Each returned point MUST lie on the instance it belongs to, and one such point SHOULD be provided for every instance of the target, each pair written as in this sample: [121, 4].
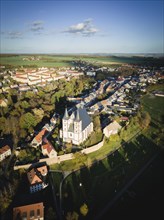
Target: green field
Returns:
[154, 105]
[59, 60]
[44, 61]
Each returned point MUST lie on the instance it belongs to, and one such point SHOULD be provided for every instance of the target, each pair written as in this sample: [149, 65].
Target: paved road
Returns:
[119, 194]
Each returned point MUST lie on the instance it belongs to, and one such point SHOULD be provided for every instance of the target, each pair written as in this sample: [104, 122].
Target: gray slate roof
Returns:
[83, 116]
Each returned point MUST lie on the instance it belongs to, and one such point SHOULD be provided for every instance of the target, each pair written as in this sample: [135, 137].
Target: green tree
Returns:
[96, 123]
[29, 94]
[39, 114]
[27, 121]
[51, 215]
[25, 104]
[84, 209]
[2, 123]
[144, 119]
[72, 216]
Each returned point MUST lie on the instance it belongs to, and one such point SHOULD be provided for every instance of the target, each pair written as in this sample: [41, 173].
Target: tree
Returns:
[27, 121]
[96, 123]
[29, 94]
[51, 215]
[72, 216]
[39, 114]
[84, 209]
[144, 119]
[2, 123]
[25, 104]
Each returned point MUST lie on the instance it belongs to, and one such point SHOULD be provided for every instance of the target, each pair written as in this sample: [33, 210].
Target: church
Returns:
[77, 127]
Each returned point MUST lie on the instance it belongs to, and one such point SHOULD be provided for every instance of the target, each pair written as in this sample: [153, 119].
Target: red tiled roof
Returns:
[4, 149]
[39, 136]
[47, 146]
[124, 118]
[34, 175]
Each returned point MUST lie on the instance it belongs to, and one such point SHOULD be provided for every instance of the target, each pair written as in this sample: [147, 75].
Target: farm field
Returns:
[59, 60]
[155, 106]
[44, 61]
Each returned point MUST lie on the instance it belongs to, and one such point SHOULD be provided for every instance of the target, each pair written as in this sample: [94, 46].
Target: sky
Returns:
[44, 26]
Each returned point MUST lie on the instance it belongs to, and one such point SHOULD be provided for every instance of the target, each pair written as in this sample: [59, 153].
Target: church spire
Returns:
[77, 115]
[66, 116]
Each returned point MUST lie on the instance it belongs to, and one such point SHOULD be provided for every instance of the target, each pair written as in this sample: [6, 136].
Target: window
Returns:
[24, 215]
[31, 214]
[38, 212]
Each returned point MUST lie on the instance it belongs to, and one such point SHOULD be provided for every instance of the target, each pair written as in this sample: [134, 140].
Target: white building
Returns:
[112, 128]
[77, 127]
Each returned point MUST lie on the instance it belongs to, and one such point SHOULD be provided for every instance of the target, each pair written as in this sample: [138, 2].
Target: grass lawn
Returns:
[155, 106]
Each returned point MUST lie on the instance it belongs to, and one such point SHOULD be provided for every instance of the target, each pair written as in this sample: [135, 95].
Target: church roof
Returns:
[66, 116]
[82, 115]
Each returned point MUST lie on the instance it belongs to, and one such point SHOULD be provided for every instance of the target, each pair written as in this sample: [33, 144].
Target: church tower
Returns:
[77, 127]
[65, 124]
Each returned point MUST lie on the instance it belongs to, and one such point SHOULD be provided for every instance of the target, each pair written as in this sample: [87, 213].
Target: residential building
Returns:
[77, 127]
[37, 177]
[112, 128]
[4, 152]
[47, 149]
[28, 212]
[39, 137]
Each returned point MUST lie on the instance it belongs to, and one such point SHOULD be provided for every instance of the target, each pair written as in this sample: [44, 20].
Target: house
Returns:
[112, 128]
[47, 149]
[37, 177]
[124, 119]
[77, 127]
[39, 137]
[89, 73]
[28, 212]
[4, 152]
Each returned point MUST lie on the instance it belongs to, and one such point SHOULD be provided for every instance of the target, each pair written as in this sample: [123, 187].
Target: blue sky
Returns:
[82, 26]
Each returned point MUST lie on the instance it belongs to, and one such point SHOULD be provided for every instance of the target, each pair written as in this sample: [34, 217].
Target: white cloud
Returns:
[85, 28]
[15, 34]
[37, 26]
